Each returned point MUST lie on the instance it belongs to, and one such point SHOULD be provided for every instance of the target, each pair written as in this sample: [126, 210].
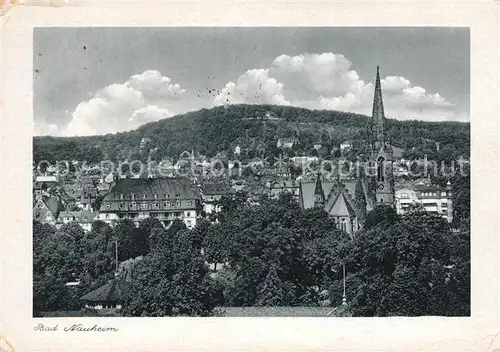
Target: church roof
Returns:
[339, 196]
[341, 205]
[307, 192]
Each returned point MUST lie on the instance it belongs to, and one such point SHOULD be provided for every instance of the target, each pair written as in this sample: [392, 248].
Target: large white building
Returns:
[432, 198]
[165, 199]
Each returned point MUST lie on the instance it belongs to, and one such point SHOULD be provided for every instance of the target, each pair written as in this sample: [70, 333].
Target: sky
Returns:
[89, 81]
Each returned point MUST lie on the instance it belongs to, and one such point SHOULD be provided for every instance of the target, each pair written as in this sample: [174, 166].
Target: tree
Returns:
[57, 260]
[360, 199]
[131, 243]
[400, 266]
[173, 279]
[214, 245]
[142, 237]
[272, 292]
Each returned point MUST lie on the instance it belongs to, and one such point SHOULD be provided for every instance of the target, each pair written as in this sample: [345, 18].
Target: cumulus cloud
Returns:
[46, 129]
[123, 106]
[254, 86]
[327, 81]
[154, 86]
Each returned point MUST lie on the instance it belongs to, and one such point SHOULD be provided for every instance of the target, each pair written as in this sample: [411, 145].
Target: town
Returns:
[199, 193]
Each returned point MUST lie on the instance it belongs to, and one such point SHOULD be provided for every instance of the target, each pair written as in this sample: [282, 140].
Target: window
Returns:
[343, 225]
[132, 196]
[155, 205]
[380, 169]
[122, 205]
[121, 196]
[133, 205]
[144, 205]
[108, 205]
[188, 203]
[107, 216]
[178, 203]
[144, 196]
[155, 196]
[167, 195]
[443, 194]
[166, 204]
[177, 195]
[188, 214]
[188, 223]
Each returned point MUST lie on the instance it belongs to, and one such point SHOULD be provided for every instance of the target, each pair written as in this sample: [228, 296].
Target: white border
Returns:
[276, 334]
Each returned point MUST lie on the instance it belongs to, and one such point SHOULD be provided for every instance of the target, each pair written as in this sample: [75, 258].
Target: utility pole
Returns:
[344, 299]
[116, 257]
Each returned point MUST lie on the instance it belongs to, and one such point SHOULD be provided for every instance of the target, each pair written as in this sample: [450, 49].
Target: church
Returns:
[347, 201]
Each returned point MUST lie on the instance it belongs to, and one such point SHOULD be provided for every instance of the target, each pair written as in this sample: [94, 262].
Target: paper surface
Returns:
[478, 333]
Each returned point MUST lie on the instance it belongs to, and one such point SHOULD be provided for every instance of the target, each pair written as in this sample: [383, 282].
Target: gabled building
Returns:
[83, 218]
[110, 296]
[166, 199]
[46, 209]
[431, 198]
[337, 199]
[278, 187]
[211, 195]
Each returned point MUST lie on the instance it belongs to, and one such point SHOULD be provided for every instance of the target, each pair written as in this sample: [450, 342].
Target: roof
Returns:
[341, 205]
[275, 311]
[113, 291]
[175, 188]
[216, 188]
[83, 216]
[284, 184]
[339, 196]
[53, 204]
[307, 192]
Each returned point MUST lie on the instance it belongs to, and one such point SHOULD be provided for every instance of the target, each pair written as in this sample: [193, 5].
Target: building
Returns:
[83, 218]
[109, 296]
[345, 146]
[337, 199]
[237, 150]
[211, 194]
[47, 178]
[381, 152]
[286, 143]
[285, 186]
[433, 199]
[46, 209]
[166, 199]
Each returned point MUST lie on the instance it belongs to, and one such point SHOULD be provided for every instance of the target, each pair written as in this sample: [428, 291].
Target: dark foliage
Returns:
[220, 129]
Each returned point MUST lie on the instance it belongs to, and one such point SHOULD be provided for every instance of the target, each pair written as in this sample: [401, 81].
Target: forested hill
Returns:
[253, 128]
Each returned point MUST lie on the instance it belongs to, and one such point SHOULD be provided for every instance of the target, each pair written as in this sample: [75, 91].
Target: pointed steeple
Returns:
[378, 116]
[319, 196]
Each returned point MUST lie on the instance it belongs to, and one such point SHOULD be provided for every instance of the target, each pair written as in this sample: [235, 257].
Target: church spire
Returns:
[378, 113]
[319, 196]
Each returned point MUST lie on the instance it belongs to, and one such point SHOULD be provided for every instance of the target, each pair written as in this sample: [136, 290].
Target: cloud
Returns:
[252, 87]
[327, 81]
[46, 129]
[149, 113]
[124, 106]
[154, 86]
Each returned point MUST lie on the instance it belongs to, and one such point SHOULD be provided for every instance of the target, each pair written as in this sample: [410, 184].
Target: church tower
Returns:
[319, 195]
[381, 150]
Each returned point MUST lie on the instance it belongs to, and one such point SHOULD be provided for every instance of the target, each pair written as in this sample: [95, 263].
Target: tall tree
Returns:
[173, 279]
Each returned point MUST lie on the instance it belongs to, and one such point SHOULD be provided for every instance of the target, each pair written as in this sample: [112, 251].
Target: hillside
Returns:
[252, 127]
